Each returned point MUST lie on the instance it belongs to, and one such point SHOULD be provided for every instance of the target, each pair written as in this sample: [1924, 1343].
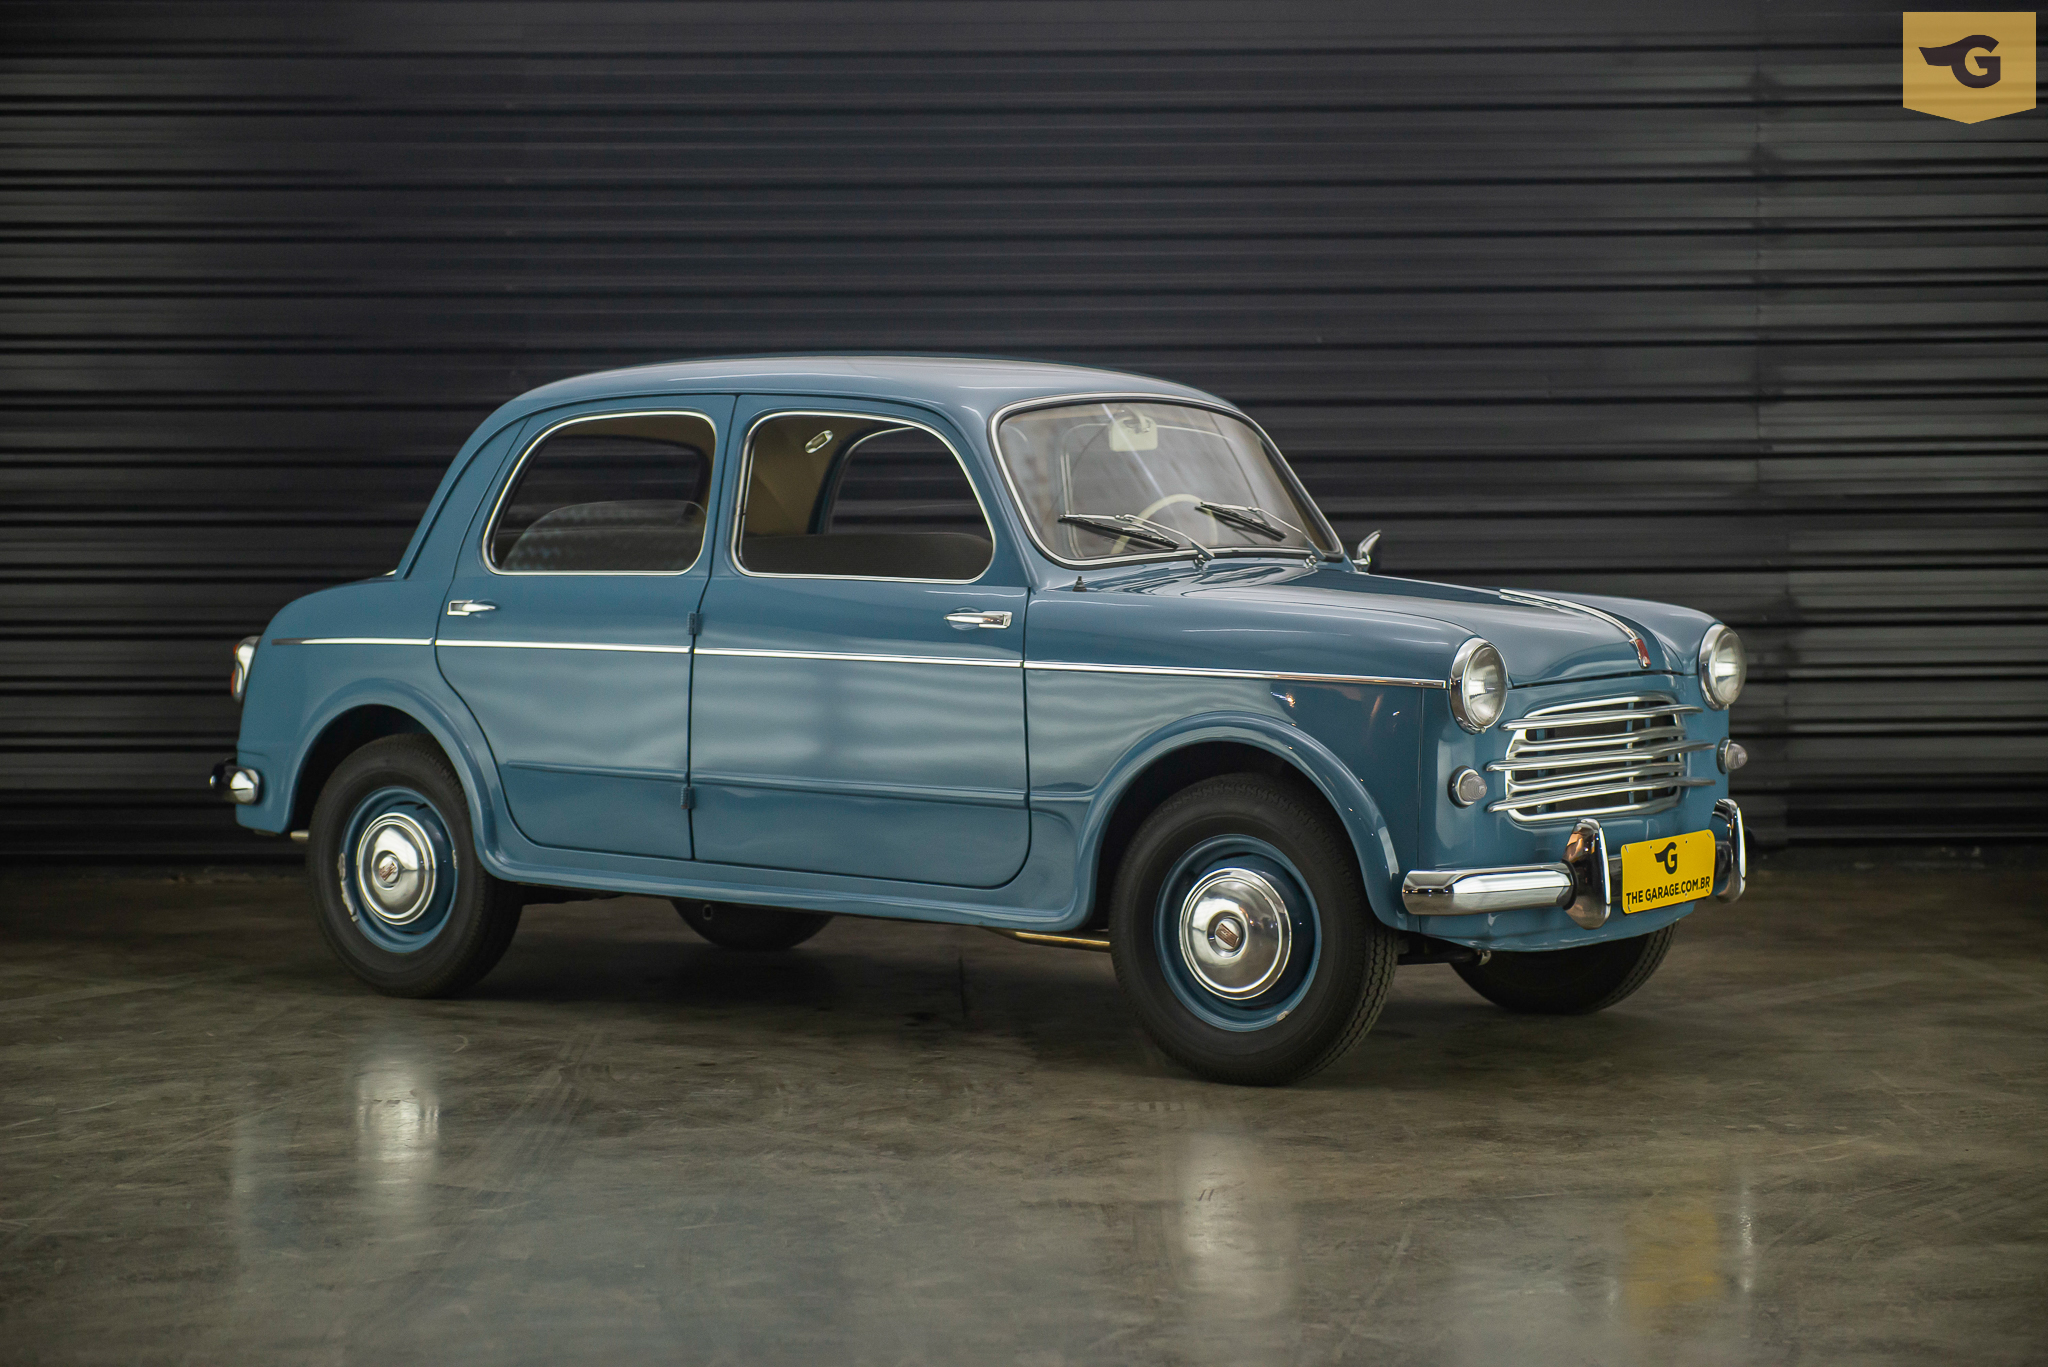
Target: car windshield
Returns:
[1103, 480]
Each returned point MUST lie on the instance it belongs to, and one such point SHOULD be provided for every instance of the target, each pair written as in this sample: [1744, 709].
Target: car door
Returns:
[567, 625]
[858, 706]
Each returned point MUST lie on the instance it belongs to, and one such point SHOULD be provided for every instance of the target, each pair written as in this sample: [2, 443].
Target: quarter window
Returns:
[864, 497]
[615, 495]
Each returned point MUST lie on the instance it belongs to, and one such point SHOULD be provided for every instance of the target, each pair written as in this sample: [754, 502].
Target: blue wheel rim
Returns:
[1202, 865]
[397, 870]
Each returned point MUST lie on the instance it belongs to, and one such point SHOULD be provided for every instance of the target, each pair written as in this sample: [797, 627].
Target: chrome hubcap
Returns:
[395, 869]
[1235, 934]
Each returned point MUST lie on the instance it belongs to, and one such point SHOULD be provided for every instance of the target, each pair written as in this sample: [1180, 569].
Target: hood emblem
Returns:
[1538, 600]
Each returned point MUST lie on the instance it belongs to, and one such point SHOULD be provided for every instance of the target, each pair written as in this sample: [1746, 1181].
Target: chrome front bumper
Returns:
[1585, 888]
[1463, 892]
[235, 783]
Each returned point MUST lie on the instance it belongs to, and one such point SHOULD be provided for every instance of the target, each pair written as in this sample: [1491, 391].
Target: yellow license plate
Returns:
[1677, 868]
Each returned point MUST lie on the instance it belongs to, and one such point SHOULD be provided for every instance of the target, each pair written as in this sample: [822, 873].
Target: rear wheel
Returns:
[730, 925]
[399, 893]
[1241, 933]
[1569, 982]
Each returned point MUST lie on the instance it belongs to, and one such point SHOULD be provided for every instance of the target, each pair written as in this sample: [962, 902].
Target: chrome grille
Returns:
[1601, 757]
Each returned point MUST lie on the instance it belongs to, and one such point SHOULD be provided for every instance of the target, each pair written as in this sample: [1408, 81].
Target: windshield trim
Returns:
[995, 450]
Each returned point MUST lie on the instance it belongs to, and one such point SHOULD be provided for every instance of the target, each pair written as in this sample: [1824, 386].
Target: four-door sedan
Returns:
[1061, 653]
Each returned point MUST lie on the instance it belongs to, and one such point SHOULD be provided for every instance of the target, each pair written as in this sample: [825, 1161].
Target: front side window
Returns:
[613, 495]
[859, 497]
[1102, 480]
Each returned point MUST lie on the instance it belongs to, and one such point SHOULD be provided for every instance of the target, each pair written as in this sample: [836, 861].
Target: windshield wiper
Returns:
[1144, 530]
[1253, 519]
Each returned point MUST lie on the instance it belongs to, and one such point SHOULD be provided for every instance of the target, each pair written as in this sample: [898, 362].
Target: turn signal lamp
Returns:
[245, 656]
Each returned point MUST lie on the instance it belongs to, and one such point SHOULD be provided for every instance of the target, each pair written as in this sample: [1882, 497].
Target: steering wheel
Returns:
[1156, 505]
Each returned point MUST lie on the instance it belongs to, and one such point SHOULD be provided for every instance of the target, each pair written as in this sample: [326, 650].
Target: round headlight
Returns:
[1724, 666]
[1479, 685]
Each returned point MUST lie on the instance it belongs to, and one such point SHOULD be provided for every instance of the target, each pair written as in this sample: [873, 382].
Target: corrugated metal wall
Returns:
[1676, 303]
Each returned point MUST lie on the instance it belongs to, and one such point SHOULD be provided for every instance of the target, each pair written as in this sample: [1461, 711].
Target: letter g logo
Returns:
[1956, 57]
[1968, 66]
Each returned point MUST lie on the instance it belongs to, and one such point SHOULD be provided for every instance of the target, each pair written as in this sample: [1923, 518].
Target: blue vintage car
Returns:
[1062, 653]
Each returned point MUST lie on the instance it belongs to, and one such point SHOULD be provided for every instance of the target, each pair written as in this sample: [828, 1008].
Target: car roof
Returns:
[970, 385]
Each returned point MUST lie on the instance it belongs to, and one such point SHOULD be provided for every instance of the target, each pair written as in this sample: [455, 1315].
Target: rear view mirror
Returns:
[1132, 431]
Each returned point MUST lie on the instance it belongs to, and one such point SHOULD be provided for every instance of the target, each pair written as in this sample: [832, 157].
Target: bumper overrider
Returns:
[1584, 885]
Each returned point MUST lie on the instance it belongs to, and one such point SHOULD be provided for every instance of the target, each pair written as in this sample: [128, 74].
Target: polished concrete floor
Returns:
[1818, 1136]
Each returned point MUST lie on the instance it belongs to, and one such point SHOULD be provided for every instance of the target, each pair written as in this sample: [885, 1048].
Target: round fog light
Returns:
[1732, 756]
[1467, 787]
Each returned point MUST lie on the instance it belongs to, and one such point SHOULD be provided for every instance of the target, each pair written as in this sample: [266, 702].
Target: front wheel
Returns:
[1241, 933]
[1568, 982]
[400, 895]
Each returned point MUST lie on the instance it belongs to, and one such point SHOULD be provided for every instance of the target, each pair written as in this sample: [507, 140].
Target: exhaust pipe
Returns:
[1032, 937]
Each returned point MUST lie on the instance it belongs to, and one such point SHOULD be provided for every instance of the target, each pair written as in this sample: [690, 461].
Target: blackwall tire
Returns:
[1195, 928]
[398, 890]
[1569, 982]
[730, 925]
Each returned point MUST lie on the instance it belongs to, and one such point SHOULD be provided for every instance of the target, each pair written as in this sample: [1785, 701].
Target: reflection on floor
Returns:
[1816, 1136]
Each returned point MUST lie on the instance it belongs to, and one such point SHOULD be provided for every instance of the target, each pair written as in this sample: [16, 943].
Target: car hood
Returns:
[1263, 616]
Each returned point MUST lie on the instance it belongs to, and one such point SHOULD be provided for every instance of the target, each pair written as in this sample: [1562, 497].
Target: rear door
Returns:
[567, 625]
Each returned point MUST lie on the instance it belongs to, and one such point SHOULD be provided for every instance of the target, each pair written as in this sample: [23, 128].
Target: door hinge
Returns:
[696, 623]
[689, 798]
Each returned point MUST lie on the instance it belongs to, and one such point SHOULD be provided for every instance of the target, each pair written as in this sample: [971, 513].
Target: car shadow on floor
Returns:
[870, 981]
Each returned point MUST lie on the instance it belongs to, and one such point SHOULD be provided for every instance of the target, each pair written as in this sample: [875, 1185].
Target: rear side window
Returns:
[616, 495]
[861, 497]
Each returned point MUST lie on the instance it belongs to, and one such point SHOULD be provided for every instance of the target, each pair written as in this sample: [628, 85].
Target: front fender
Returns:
[1374, 845]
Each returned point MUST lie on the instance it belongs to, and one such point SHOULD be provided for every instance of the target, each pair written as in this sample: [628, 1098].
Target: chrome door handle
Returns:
[469, 607]
[966, 619]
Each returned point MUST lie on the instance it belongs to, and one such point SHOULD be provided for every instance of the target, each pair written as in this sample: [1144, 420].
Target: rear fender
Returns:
[455, 732]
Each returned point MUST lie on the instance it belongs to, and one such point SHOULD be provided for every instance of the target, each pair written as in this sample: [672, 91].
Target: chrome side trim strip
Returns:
[854, 657]
[351, 641]
[1069, 667]
[1051, 666]
[565, 645]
